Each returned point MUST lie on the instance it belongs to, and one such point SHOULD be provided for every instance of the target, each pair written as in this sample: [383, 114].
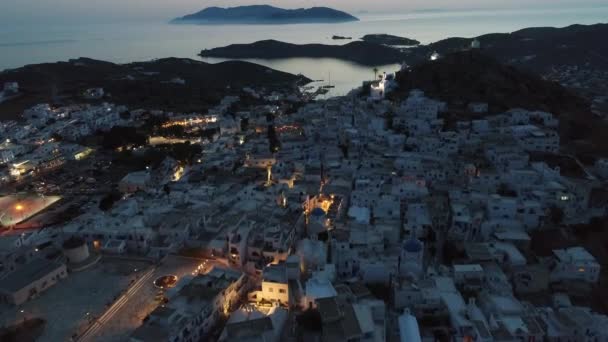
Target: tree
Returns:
[269, 117]
[56, 137]
[389, 120]
[273, 140]
[504, 190]
[452, 252]
[208, 133]
[310, 320]
[119, 136]
[344, 149]
[186, 152]
[108, 201]
[244, 124]
[556, 215]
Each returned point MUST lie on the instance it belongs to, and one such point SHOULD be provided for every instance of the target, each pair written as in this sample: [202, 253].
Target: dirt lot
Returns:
[77, 299]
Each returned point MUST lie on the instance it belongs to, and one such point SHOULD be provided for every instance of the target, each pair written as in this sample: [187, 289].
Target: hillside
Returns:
[265, 14]
[470, 76]
[539, 48]
[360, 52]
[141, 84]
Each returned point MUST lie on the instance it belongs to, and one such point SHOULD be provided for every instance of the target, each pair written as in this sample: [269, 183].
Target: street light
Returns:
[19, 207]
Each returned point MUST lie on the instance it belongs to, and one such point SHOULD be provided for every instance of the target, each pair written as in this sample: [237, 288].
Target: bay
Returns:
[146, 40]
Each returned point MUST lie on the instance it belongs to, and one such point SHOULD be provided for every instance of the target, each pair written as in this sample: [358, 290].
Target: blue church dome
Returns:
[412, 246]
[317, 212]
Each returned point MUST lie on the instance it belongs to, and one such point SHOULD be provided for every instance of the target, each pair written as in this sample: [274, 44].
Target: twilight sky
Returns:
[29, 11]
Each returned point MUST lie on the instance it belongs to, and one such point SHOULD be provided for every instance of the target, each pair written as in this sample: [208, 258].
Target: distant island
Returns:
[341, 38]
[360, 52]
[387, 39]
[265, 14]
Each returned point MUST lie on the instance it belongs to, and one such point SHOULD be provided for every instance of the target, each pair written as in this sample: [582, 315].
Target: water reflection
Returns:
[343, 75]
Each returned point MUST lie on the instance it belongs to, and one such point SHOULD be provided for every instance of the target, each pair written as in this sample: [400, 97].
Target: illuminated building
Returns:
[275, 286]
[251, 324]
[83, 154]
[195, 306]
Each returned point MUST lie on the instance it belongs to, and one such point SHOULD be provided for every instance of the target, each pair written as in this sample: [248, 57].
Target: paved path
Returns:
[90, 333]
[141, 301]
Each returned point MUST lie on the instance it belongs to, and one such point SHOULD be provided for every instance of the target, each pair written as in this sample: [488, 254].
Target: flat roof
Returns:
[468, 268]
[275, 274]
[28, 273]
[574, 254]
[249, 328]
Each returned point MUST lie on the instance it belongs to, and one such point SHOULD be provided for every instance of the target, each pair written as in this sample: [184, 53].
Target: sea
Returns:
[147, 40]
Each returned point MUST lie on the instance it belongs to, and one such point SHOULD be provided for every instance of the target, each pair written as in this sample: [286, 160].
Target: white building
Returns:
[408, 328]
[134, 181]
[574, 324]
[237, 244]
[468, 272]
[378, 89]
[411, 257]
[316, 288]
[194, 307]
[249, 324]
[575, 263]
[275, 286]
[533, 138]
[31, 279]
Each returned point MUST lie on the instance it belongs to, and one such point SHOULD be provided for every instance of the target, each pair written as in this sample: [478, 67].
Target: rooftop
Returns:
[28, 273]
[574, 254]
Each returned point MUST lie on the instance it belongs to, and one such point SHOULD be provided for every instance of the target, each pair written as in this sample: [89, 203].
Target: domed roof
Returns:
[412, 245]
[318, 212]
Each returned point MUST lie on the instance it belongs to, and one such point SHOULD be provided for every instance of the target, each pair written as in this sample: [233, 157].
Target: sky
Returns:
[66, 11]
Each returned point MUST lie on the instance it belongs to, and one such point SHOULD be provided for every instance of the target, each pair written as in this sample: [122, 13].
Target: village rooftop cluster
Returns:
[276, 217]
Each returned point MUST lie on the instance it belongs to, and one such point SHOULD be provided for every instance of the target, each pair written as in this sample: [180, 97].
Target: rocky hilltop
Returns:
[265, 14]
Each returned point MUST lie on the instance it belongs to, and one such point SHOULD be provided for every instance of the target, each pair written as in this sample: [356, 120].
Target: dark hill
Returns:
[141, 84]
[360, 52]
[265, 14]
[470, 76]
[540, 48]
[536, 49]
[388, 39]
